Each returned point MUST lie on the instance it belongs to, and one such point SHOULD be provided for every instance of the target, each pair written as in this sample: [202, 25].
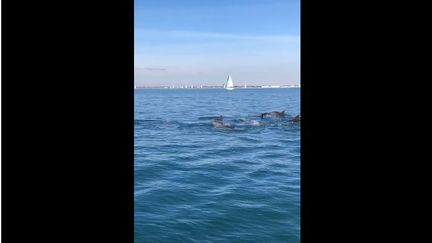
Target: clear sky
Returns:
[201, 42]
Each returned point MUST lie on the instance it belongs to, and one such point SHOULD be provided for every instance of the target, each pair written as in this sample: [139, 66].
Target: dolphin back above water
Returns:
[273, 114]
[218, 122]
[296, 119]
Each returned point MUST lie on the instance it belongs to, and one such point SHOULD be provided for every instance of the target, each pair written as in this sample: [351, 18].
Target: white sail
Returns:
[229, 85]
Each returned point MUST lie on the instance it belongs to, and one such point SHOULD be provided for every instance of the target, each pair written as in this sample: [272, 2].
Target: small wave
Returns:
[206, 118]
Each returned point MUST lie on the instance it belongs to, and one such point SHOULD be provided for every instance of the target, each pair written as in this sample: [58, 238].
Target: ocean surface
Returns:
[197, 183]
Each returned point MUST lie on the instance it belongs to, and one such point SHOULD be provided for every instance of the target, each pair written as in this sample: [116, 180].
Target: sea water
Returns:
[197, 183]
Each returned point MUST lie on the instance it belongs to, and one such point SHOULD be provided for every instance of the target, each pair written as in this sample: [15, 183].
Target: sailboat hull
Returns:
[229, 88]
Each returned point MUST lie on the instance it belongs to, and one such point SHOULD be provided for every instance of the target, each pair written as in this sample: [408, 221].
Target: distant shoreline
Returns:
[217, 87]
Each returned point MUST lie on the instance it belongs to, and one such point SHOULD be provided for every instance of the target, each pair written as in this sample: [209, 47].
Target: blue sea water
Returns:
[197, 183]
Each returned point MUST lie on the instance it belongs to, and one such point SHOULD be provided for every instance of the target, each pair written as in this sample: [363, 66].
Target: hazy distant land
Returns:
[216, 87]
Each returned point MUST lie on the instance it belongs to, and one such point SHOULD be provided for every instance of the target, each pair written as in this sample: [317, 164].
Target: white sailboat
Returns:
[229, 85]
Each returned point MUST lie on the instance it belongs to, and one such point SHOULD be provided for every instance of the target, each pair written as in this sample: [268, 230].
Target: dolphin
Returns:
[218, 122]
[295, 119]
[273, 114]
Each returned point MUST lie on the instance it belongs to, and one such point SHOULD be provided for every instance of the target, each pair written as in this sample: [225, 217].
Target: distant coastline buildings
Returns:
[136, 86]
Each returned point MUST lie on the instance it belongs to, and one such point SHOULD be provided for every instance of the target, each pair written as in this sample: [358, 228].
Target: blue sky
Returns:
[192, 42]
